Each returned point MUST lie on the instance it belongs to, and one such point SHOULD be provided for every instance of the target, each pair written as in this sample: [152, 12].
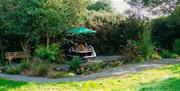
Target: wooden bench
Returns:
[14, 55]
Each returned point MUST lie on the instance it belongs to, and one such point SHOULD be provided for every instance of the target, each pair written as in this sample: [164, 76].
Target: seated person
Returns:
[70, 51]
[93, 53]
[86, 47]
[82, 47]
[90, 48]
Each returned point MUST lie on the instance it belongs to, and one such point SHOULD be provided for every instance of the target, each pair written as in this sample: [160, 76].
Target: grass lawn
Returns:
[165, 79]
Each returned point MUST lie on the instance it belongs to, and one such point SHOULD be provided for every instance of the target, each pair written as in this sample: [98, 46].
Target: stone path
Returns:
[124, 69]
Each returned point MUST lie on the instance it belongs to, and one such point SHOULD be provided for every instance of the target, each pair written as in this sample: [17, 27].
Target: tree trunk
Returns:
[47, 40]
[2, 52]
[25, 46]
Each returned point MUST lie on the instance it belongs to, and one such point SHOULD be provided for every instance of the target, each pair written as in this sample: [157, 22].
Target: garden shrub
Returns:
[89, 68]
[114, 63]
[138, 59]
[37, 68]
[12, 69]
[49, 54]
[168, 54]
[25, 64]
[75, 63]
[155, 56]
[41, 69]
[174, 55]
[17, 68]
[94, 66]
[146, 45]
[113, 31]
[177, 46]
[165, 54]
[131, 50]
[166, 29]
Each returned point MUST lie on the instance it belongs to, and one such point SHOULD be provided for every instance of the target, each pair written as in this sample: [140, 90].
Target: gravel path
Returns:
[124, 69]
[108, 58]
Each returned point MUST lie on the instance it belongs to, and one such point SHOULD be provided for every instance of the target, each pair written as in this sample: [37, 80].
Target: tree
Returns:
[54, 17]
[33, 20]
[101, 5]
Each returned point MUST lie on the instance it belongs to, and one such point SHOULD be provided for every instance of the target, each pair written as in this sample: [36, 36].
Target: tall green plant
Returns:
[146, 45]
[49, 54]
[75, 63]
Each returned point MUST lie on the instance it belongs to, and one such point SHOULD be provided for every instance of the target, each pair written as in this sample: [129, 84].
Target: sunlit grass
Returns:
[165, 79]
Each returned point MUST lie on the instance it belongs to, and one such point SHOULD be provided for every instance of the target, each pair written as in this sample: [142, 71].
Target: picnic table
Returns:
[85, 54]
[82, 52]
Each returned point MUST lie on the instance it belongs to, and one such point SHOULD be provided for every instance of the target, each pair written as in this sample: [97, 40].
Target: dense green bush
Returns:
[95, 66]
[155, 56]
[146, 45]
[177, 46]
[37, 68]
[75, 63]
[25, 65]
[91, 67]
[42, 69]
[131, 50]
[166, 29]
[113, 31]
[49, 54]
[168, 54]
[12, 69]
[17, 68]
[138, 59]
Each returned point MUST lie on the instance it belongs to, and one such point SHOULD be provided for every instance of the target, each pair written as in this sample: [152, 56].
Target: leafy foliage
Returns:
[146, 46]
[113, 31]
[177, 46]
[25, 64]
[41, 69]
[12, 69]
[155, 56]
[132, 51]
[49, 54]
[166, 29]
[75, 63]
[168, 54]
[27, 23]
[101, 5]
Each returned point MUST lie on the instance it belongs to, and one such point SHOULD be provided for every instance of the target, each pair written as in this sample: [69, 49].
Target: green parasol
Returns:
[81, 30]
